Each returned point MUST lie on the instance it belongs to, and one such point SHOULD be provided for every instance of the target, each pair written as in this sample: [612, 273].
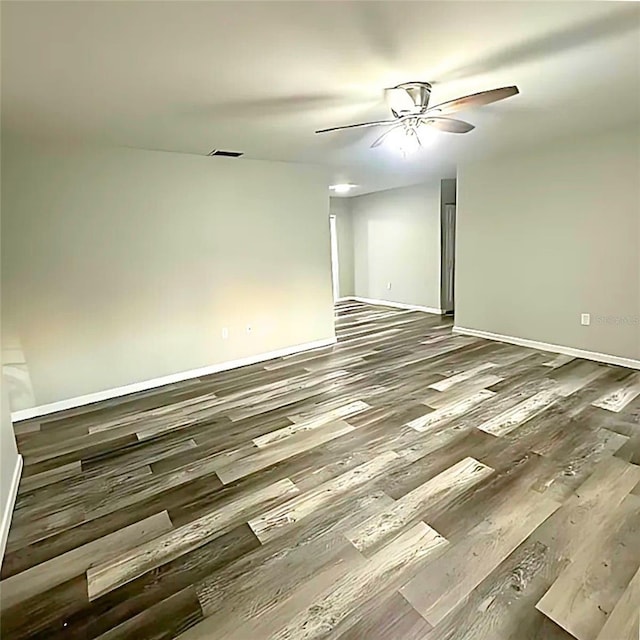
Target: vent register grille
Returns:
[226, 154]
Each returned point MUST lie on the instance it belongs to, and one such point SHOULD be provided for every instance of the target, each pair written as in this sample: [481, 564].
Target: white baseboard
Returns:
[553, 348]
[395, 305]
[8, 508]
[108, 394]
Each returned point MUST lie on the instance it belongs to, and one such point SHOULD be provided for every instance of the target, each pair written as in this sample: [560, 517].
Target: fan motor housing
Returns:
[420, 93]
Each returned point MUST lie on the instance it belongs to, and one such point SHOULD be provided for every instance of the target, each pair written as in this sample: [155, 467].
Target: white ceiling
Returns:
[260, 77]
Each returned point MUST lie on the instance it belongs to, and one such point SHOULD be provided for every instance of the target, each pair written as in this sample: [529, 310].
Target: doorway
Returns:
[448, 259]
[335, 267]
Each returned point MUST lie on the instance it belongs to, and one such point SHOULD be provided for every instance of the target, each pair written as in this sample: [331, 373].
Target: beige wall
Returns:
[547, 234]
[120, 266]
[340, 208]
[397, 240]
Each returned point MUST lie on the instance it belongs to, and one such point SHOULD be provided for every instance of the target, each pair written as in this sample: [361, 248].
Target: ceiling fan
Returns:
[409, 104]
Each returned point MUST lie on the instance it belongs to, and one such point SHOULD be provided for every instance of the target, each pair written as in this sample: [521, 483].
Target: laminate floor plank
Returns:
[135, 597]
[458, 393]
[619, 398]
[383, 618]
[254, 585]
[587, 591]
[502, 606]
[48, 575]
[448, 412]
[590, 509]
[438, 460]
[506, 422]
[47, 612]
[137, 455]
[313, 423]
[106, 576]
[52, 476]
[440, 588]
[623, 622]
[399, 560]
[270, 524]
[630, 450]
[164, 620]
[306, 496]
[382, 528]
[572, 378]
[263, 458]
[25, 553]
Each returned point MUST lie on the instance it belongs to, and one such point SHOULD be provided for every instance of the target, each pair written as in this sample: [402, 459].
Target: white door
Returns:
[335, 269]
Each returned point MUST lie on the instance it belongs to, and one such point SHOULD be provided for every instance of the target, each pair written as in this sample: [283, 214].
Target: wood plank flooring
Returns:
[406, 483]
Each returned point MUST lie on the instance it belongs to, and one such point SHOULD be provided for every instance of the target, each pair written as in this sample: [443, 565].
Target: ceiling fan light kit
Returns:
[409, 105]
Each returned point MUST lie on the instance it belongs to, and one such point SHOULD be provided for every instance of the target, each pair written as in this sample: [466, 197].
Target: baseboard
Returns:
[108, 394]
[553, 348]
[395, 305]
[8, 508]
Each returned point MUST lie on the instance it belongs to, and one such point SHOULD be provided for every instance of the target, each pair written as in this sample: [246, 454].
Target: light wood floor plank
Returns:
[272, 523]
[449, 412]
[313, 423]
[462, 391]
[619, 398]
[447, 383]
[585, 594]
[506, 422]
[383, 527]
[623, 623]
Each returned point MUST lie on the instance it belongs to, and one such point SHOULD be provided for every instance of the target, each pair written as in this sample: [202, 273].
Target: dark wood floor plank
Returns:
[110, 574]
[164, 620]
[157, 585]
[383, 618]
[45, 614]
[48, 575]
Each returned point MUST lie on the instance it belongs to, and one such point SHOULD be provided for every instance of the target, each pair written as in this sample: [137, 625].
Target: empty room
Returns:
[320, 319]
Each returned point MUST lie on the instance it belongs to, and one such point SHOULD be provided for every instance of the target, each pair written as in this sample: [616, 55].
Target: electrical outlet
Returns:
[388, 286]
[225, 333]
[585, 319]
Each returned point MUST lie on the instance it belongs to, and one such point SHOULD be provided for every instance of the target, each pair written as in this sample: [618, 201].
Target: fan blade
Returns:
[448, 124]
[399, 100]
[378, 141]
[475, 100]
[377, 123]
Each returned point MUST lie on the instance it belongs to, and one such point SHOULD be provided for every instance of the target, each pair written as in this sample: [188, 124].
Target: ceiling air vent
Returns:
[226, 154]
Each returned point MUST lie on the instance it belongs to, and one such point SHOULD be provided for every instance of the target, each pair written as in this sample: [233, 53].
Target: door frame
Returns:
[335, 263]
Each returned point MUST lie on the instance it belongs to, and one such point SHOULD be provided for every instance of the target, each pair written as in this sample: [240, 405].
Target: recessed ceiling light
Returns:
[342, 188]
